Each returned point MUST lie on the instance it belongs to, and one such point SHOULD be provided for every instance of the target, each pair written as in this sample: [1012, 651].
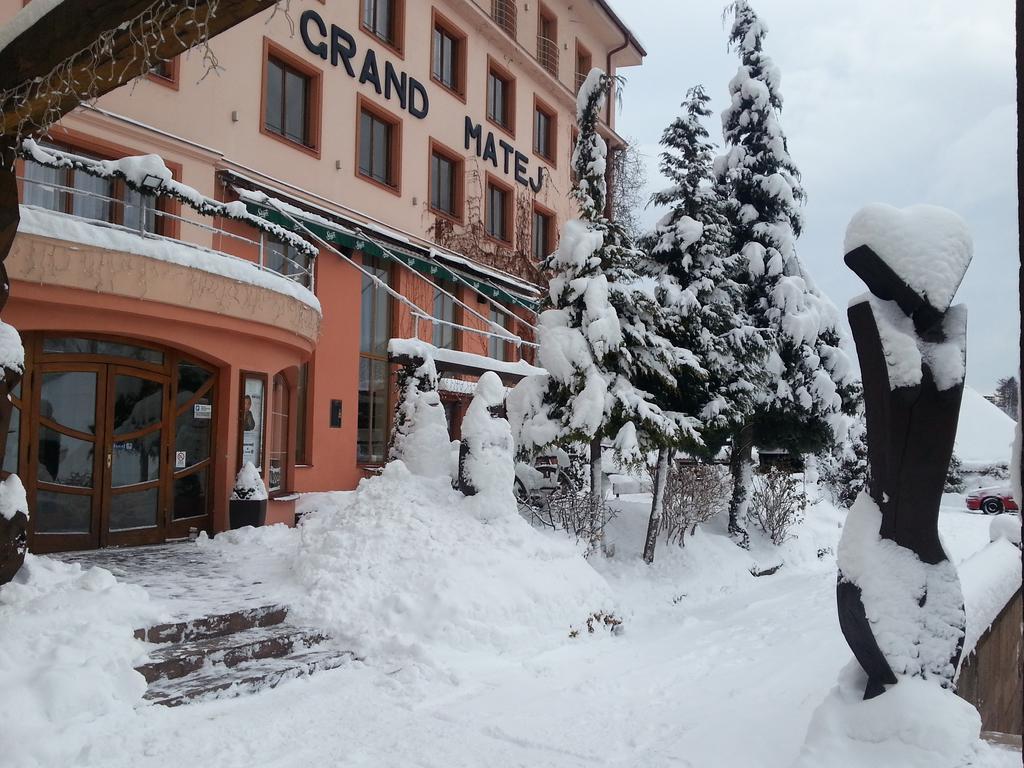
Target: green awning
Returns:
[339, 236]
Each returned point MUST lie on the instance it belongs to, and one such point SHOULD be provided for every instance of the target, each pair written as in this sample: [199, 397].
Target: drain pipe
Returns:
[610, 169]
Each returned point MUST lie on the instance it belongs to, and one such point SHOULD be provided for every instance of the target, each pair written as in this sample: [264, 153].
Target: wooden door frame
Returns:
[65, 541]
[180, 528]
[104, 366]
[156, 533]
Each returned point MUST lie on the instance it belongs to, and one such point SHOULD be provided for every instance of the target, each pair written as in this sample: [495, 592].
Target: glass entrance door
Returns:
[118, 443]
[101, 452]
[69, 451]
[135, 462]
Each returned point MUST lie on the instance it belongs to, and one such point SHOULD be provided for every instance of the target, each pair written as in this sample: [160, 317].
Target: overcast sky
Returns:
[894, 101]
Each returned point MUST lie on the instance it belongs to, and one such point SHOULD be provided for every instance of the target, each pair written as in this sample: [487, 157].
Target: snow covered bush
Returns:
[248, 484]
[694, 493]
[844, 470]
[954, 476]
[420, 433]
[777, 504]
[486, 463]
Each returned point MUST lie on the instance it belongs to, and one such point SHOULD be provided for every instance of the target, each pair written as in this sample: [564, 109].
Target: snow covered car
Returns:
[991, 501]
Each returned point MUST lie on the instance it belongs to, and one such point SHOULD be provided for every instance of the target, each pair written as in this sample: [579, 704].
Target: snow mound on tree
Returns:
[928, 247]
[403, 569]
[914, 724]
[67, 655]
[984, 434]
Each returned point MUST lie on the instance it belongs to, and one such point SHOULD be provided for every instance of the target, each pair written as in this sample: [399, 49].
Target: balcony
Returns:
[547, 54]
[504, 14]
[108, 205]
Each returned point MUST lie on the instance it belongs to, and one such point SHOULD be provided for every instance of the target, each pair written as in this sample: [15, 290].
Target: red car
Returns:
[991, 501]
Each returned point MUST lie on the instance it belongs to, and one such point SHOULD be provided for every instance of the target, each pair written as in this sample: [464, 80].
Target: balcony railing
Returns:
[140, 216]
[504, 14]
[547, 54]
[581, 77]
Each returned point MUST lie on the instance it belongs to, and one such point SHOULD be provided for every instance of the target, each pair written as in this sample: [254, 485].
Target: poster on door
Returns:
[252, 421]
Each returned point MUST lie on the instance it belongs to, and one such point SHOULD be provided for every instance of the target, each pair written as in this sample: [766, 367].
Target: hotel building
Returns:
[422, 146]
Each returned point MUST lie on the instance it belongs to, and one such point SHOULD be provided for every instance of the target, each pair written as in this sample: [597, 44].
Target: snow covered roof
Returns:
[463, 362]
[984, 434]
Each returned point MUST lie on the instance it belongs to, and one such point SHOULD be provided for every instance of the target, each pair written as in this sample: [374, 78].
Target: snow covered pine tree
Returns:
[806, 371]
[593, 334]
[689, 258]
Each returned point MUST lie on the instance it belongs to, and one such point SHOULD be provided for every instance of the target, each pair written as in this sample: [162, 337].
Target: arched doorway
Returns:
[117, 442]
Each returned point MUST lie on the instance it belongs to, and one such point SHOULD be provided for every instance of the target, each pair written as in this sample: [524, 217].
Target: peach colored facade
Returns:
[215, 135]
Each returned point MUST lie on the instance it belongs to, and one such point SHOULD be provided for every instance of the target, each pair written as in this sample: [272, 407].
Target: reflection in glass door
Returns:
[134, 444]
[117, 440]
[67, 460]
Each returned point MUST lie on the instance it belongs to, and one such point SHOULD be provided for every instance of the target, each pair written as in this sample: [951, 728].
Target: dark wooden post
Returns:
[910, 433]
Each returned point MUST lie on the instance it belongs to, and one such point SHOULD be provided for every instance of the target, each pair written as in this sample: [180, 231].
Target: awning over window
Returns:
[345, 235]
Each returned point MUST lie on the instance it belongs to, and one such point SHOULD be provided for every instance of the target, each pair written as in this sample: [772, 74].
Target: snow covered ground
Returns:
[714, 667]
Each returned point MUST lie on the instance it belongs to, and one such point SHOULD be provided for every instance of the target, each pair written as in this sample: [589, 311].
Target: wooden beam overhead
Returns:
[67, 36]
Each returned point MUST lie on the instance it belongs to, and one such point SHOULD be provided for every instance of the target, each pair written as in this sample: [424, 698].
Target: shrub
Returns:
[577, 513]
[694, 493]
[776, 504]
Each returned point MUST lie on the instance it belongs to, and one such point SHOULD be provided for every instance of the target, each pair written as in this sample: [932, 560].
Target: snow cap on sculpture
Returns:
[925, 247]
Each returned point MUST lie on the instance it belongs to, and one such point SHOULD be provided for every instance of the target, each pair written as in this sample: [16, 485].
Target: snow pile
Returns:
[984, 434]
[916, 640]
[489, 467]
[914, 724]
[12, 497]
[248, 484]
[990, 577]
[67, 655]
[1005, 527]
[928, 247]
[401, 568]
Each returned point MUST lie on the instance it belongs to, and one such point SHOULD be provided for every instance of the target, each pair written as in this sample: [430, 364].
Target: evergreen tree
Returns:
[1008, 396]
[806, 369]
[688, 256]
[596, 333]
[844, 468]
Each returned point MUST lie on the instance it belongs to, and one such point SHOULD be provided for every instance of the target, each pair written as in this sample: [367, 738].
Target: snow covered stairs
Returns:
[232, 654]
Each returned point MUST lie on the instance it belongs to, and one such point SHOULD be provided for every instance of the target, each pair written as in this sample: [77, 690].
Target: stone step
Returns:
[175, 660]
[245, 678]
[216, 625]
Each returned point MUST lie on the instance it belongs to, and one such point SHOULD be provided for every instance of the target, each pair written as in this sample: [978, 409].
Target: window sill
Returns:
[394, 190]
[460, 95]
[383, 41]
[311, 151]
[445, 215]
[508, 131]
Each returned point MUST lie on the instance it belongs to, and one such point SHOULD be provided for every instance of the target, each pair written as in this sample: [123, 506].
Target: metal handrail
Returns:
[303, 275]
[581, 78]
[508, 338]
[547, 54]
[504, 14]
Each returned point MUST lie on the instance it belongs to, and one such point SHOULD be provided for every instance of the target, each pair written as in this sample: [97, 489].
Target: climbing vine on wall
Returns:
[470, 239]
